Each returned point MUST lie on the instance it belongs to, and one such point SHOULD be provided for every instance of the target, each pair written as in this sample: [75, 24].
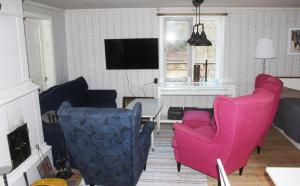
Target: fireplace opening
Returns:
[19, 146]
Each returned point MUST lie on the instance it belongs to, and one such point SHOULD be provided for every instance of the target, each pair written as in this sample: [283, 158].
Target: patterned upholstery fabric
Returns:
[78, 94]
[106, 143]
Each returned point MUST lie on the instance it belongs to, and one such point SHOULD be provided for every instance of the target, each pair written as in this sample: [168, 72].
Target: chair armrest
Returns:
[204, 151]
[148, 127]
[103, 98]
[188, 132]
[146, 133]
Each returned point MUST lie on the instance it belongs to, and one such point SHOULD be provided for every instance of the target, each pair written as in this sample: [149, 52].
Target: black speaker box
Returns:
[175, 113]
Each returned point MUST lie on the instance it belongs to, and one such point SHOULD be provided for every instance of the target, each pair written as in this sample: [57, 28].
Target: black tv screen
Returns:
[131, 53]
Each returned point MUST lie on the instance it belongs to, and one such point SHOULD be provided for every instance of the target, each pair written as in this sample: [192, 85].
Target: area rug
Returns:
[161, 166]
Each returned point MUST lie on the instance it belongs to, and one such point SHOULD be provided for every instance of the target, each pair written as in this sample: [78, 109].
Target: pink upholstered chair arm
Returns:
[196, 118]
[189, 133]
[196, 151]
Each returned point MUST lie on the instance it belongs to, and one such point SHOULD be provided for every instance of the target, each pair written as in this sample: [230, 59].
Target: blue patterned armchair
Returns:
[106, 143]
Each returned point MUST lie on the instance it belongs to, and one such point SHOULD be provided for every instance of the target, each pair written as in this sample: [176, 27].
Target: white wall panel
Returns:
[59, 37]
[86, 31]
[246, 26]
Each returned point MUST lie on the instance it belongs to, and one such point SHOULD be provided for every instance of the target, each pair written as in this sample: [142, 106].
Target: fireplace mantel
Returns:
[16, 91]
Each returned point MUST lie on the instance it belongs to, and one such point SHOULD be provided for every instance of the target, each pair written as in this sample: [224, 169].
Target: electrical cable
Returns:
[143, 91]
[128, 84]
[144, 85]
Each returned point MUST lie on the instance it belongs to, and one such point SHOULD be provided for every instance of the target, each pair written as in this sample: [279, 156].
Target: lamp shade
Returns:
[265, 49]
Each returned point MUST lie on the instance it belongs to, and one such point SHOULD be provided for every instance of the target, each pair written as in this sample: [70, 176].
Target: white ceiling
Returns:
[96, 4]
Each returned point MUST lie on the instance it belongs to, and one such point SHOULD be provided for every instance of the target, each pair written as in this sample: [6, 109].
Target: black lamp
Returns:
[196, 38]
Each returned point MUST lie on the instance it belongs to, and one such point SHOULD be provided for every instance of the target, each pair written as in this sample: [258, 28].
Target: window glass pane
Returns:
[211, 72]
[202, 51]
[176, 50]
[210, 28]
[177, 30]
[179, 57]
[211, 69]
[176, 70]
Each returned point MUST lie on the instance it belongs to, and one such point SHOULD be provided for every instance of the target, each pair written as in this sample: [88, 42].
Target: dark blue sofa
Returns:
[107, 144]
[76, 92]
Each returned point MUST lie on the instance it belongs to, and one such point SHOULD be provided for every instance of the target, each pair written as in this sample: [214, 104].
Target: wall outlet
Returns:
[155, 80]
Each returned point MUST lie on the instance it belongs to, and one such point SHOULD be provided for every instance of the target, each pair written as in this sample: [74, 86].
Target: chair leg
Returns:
[178, 166]
[219, 182]
[258, 149]
[241, 171]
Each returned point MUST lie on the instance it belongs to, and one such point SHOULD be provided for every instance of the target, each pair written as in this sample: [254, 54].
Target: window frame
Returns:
[191, 54]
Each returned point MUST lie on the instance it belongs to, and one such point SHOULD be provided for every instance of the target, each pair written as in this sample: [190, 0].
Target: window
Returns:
[179, 58]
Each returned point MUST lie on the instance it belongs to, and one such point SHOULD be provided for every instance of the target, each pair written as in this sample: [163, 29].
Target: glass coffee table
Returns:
[150, 109]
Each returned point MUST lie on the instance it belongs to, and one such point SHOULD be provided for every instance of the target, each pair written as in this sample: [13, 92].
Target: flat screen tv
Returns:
[131, 53]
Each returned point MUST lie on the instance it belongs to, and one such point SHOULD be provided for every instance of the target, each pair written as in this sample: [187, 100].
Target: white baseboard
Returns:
[297, 145]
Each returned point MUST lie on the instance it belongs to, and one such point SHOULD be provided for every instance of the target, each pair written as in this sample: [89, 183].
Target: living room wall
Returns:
[86, 30]
[59, 36]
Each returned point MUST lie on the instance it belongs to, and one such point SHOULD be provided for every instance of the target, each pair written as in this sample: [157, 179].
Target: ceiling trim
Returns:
[158, 8]
[109, 9]
[192, 9]
[43, 6]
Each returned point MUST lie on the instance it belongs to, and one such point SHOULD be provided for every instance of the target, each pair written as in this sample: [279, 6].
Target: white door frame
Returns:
[47, 37]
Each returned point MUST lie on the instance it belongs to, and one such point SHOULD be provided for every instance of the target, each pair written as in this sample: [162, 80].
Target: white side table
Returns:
[284, 176]
[193, 89]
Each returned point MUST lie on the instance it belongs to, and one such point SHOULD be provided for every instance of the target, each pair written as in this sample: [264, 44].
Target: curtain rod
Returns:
[191, 14]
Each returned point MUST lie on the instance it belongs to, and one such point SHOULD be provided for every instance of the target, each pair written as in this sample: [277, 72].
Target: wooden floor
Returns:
[276, 152]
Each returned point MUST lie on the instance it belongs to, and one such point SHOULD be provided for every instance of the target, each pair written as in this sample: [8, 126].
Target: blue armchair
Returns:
[79, 95]
[106, 143]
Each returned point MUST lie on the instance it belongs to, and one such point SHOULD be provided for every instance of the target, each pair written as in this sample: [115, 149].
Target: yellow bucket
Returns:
[50, 182]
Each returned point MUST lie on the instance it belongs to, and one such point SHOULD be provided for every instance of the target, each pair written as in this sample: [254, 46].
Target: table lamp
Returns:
[265, 50]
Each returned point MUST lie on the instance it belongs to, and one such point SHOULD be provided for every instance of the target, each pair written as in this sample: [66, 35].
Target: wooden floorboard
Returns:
[276, 152]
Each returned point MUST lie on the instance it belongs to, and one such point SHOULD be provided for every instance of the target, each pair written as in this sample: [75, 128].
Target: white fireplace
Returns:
[19, 102]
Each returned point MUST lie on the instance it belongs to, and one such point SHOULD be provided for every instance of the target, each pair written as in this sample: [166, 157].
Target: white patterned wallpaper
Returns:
[59, 37]
[243, 28]
[87, 29]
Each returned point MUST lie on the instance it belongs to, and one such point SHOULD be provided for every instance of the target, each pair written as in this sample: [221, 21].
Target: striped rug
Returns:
[161, 166]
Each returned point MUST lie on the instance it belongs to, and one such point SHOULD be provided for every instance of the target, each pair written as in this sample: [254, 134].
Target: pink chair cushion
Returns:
[196, 118]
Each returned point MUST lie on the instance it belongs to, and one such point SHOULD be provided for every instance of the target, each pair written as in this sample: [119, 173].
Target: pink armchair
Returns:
[196, 119]
[231, 136]
[274, 85]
